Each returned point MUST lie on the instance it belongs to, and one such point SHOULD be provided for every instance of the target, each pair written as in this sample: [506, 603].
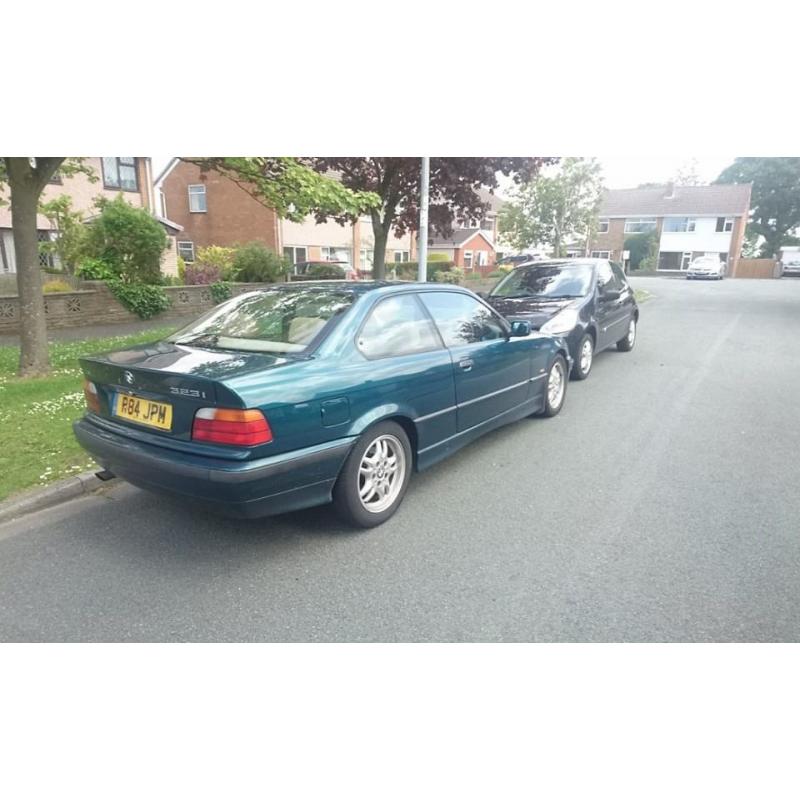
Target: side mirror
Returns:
[611, 294]
[520, 328]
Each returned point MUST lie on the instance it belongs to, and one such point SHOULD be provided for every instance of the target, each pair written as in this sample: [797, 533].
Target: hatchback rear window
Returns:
[269, 321]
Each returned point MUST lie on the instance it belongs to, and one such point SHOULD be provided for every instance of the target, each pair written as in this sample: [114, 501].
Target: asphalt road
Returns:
[661, 505]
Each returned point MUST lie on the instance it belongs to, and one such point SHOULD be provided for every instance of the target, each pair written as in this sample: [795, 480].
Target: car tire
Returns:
[582, 367]
[554, 400]
[353, 500]
[626, 343]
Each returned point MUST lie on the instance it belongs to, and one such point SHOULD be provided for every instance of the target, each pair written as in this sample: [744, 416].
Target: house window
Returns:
[400, 256]
[483, 258]
[46, 257]
[686, 259]
[640, 224]
[197, 198]
[119, 172]
[336, 254]
[601, 254]
[724, 224]
[296, 255]
[468, 259]
[679, 225]
[602, 226]
[186, 251]
[365, 259]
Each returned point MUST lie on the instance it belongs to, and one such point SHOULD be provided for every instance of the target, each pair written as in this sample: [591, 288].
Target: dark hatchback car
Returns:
[300, 394]
[588, 301]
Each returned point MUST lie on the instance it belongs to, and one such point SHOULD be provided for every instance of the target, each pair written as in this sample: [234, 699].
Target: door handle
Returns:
[465, 364]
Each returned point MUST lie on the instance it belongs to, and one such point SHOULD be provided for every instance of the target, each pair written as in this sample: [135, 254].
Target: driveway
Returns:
[661, 505]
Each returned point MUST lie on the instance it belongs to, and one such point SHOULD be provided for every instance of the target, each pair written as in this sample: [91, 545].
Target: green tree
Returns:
[453, 194]
[26, 178]
[688, 174]
[775, 199]
[554, 209]
[70, 245]
[641, 246]
[129, 240]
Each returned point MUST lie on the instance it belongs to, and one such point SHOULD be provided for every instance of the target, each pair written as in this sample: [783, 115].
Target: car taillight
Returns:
[92, 398]
[231, 426]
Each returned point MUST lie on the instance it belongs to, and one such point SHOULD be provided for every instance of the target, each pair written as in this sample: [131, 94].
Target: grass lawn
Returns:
[36, 414]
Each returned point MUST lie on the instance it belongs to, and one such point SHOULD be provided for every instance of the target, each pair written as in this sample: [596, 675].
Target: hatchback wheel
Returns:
[583, 363]
[556, 388]
[625, 344]
[374, 477]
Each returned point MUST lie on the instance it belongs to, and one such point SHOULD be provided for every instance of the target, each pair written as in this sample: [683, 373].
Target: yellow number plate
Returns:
[145, 412]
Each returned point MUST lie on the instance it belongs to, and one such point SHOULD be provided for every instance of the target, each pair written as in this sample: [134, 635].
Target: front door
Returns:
[492, 371]
[613, 306]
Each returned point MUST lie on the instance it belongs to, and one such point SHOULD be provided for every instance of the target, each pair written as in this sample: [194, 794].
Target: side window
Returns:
[604, 275]
[619, 275]
[461, 319]
[397, 326]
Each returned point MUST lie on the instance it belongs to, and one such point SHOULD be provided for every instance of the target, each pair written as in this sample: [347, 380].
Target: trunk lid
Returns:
[184, 378]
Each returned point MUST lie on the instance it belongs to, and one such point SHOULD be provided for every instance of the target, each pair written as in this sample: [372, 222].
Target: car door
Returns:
[492, 371]
[611, 308]
[626, 299]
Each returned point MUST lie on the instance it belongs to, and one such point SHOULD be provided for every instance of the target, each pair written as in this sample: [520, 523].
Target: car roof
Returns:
[363, 287]
[563, 262]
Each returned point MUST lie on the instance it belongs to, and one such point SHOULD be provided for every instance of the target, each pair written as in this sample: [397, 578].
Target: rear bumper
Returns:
[274, 485]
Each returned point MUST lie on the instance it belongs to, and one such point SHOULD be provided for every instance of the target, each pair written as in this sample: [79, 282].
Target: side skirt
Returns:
[441, 450]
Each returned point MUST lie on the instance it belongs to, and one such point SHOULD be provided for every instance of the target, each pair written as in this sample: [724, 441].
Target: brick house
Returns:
[130, 176]
[213, 210]
[471, 249]
[689, 221]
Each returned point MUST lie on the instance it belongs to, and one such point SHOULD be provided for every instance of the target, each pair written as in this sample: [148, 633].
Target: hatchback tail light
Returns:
[231, 426]
[92, 398]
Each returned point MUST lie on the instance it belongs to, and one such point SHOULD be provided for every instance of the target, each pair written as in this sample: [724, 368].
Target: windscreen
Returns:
[551, 281]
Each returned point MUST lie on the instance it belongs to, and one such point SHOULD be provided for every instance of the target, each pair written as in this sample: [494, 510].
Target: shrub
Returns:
[256, 263]
[325, 271]
[473, 276]
[498, 273]
[220, 291]
[219, 257]
[49, 287]
[145, 300]
[201, 274]
[454, 275]
[94, 269]
[409, 270]
[181, 270]
[128, 240]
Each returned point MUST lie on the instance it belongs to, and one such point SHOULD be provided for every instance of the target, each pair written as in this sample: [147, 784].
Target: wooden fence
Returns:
[756, 268]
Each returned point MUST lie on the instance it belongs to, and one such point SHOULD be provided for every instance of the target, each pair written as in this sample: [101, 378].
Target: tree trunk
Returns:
[26, 184]
[379, 252]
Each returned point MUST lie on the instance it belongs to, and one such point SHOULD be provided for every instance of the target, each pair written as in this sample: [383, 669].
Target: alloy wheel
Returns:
[381, 473]
[586, 356]
[631, 332]
[555, 384]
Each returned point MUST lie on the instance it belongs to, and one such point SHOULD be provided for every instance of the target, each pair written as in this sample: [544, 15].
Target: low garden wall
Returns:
[95, 305]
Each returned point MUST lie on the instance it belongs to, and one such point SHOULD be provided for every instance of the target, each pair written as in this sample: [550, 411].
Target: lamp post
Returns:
[422, 239]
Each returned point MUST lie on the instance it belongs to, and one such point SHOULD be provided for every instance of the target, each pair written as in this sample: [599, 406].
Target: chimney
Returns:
[670, 195]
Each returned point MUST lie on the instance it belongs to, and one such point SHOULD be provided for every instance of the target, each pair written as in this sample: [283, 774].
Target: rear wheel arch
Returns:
[408, 425]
